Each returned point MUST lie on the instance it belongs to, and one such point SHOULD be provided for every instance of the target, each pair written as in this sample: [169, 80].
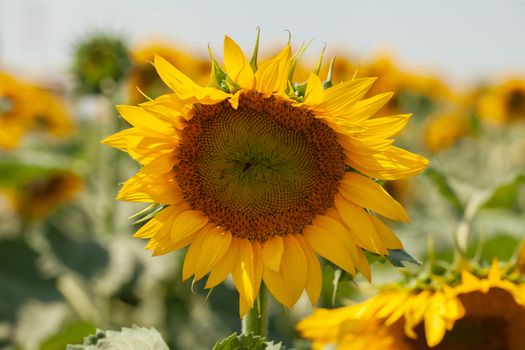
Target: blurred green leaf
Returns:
[136, 338]
[74, 333]
[440, 180]
[242, 342]
[20, 280]
[501, 246]
[15, 174]
[398, 256]
[506, 195]
[86, 256]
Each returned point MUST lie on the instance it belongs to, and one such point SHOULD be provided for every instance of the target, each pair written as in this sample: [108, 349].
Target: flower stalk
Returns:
[256, 320]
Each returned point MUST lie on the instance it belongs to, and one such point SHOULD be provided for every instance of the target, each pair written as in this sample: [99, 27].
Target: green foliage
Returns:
[246, 342]
[20, 280]
[16, 174]
[74, 333]
[444, 187]
[506, 195]
[135, 338]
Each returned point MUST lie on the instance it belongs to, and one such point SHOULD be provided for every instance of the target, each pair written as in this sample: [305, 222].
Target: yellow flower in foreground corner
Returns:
[257, 178]
[485, 312]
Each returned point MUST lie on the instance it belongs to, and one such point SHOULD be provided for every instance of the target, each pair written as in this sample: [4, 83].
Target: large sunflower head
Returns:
[475, 308]
[258, 174]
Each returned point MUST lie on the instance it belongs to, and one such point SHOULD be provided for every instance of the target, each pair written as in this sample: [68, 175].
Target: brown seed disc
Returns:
[264, 169]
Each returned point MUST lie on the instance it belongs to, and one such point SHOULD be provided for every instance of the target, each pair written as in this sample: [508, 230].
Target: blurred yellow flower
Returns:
[37, 198]
[25, 108]
[144, 76]
[476, 313]
[15, 111]
[256, 178]
[503, 103]
[421, 89]
[444, 129]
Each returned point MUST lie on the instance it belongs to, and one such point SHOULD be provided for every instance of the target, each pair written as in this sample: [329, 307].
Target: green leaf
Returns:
[440, 180]
[71, 334]
[505, 196]
[397, 256]
[20, 280]
[242, 342]
[136, 338]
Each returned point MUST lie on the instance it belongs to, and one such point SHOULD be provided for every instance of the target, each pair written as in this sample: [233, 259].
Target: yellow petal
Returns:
[494, 272]
[369, 194]
[361, 227]
[157, 223]
[272, 75]
[272, 252]
[275, 283]
[363, 266]
[236, 64]
[339, 98]
[156, 188]
[435, 327]
[141, 119]
[187, 223]
[328, 246]
[365, 109]
[385, 127]
[314, 90]
[393, 164]
[183, 86]
[387, 236]
[314, 280]
[293, 267]
[225, 265]
[207, 248]
[243, 272]
[335, 227]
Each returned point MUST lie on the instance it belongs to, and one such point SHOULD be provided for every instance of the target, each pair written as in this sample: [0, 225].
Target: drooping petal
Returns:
[272, 252]
[225, 265]
[187, 223]
[243, 272]
[208, 247]
[293, 267]
[358, 221]
[314, 279]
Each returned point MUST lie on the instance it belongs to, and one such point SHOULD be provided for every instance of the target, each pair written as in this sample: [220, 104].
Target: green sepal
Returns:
[253, 61]
[218, 76]
[328, 82]
[295, 58]
[300, 89]
[398, 256]
[320, 62]
[156, 208]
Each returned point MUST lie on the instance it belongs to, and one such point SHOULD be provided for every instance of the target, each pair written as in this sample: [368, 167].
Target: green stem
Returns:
[256, 320]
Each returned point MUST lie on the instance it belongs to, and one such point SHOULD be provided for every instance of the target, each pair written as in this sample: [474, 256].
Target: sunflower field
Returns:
[157, 196]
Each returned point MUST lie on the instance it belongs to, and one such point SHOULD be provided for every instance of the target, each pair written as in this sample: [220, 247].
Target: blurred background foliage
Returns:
[68, 264]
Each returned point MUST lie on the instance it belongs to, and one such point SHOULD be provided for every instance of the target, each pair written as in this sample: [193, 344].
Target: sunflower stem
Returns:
[256, 320]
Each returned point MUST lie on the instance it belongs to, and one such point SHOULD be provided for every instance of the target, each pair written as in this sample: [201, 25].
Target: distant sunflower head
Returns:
[100, 63]
[465, 313]
[259, 174]
[445, 129]
[504, 103]
[36, 198]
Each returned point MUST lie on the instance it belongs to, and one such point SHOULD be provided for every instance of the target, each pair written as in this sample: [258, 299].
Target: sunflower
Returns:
[503, 103]
[473, 312]
[15, 111]
[50, 113]
[416, 90]
[37, 198]
[144, 77]
[445, 129]
[258, 178]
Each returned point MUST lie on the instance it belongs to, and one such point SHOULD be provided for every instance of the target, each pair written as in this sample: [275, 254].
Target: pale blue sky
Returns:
[462, 39]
